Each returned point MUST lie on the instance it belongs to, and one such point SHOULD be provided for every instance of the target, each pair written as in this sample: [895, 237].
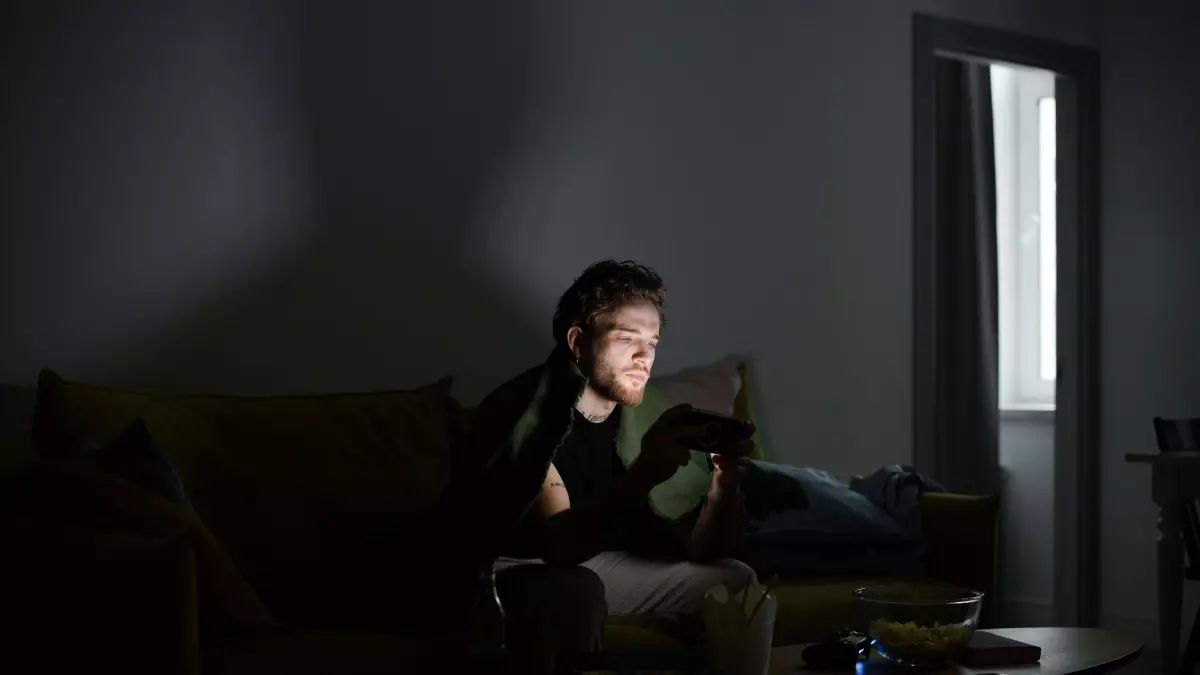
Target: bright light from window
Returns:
[1023, 122]
[1047, 241]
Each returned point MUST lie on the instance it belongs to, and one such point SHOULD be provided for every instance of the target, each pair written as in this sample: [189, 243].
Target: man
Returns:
[619, 494]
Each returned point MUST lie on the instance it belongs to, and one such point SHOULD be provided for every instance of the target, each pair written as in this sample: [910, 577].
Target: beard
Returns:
[603, 379]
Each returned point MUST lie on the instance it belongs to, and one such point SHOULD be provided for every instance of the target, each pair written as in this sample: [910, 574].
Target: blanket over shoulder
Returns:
[518, 429]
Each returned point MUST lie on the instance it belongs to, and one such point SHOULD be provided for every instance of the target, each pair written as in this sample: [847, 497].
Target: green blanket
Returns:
[519, 427]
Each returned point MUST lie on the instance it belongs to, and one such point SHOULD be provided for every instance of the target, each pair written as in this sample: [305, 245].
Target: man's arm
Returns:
[572, 534]
[719, 531]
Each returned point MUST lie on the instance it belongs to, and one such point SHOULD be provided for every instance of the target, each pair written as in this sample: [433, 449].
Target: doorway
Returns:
[1024, 130]
[1016, 225]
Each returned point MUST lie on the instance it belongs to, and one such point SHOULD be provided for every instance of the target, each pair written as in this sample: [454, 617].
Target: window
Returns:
[1047, 241]
[1024, 116]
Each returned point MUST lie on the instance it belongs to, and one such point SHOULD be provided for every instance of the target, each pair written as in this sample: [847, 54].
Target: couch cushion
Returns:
[16, 412]
[284, 483]
[629, 649]
[342, 652]
[961, 542]
[134, 456]
[627, 639]
[84, 601]
[743, 409]
[63, 497]
[722, 387]
[711, 387]
[811, 609]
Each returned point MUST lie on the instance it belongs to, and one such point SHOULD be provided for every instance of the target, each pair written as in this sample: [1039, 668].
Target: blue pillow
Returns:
[834, 513]
[134, 456]
[836, 531]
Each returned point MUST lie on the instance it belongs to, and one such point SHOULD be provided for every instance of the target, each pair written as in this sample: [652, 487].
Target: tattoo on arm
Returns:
[555, 484]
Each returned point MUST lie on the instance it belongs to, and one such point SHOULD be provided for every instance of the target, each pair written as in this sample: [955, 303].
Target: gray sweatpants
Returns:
[666, 595]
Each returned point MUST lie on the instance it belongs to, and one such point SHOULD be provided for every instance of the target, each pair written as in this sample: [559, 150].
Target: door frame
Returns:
[1076, 600]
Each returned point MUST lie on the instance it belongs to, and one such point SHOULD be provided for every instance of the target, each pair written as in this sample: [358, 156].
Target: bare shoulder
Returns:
[553, 497]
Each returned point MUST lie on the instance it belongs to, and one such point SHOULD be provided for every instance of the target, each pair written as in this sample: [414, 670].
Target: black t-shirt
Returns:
[589, 465]
[587, 460]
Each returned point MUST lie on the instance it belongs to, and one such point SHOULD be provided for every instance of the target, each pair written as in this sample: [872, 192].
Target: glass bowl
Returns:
[918, 626]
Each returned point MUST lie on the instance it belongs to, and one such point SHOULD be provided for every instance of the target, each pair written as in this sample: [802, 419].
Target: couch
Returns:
[297, 501]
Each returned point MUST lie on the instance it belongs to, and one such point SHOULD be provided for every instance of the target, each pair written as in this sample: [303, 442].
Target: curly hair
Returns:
[605, 286]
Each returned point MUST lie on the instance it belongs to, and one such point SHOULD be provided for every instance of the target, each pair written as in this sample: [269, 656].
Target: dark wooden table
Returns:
[1065, 651]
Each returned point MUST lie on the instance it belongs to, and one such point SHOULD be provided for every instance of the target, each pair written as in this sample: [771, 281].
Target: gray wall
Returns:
[1027, 517]
[266, 197]
[1151, 233]
[298, 197]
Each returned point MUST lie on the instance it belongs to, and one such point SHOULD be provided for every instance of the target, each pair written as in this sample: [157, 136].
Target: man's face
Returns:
[619, 354]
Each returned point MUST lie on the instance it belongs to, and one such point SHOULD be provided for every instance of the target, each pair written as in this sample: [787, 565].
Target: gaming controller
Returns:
[843, 649]
[717, 434]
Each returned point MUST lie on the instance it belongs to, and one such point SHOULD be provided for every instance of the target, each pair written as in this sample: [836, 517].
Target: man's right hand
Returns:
[662, 453]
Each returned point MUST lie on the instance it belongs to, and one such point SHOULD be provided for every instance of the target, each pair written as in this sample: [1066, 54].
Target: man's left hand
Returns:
[730, 470]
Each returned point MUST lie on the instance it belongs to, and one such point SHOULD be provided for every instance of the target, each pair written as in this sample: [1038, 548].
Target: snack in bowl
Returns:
[920, 642]
[917, 626]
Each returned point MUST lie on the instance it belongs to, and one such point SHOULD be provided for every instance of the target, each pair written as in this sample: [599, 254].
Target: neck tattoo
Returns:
[596, 418]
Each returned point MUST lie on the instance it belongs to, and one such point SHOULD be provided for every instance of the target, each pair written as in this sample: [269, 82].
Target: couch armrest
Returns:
[960, 538]
[81, 601]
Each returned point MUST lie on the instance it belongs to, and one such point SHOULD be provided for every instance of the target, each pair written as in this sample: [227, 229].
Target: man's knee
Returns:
[577, 589]
[681, 600]
[699, 578]
[554, 610]
[548, 594]
[733, 574]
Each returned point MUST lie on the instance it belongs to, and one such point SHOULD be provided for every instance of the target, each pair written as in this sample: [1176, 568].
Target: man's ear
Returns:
[575, 340]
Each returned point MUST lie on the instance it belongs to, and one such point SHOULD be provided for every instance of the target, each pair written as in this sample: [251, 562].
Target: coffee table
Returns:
[1065, 651]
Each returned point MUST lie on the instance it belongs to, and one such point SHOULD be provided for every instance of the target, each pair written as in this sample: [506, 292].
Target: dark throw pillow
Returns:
[134, 456]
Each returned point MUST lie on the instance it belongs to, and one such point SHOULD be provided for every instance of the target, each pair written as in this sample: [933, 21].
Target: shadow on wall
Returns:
[413, 110]
[405, 118]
